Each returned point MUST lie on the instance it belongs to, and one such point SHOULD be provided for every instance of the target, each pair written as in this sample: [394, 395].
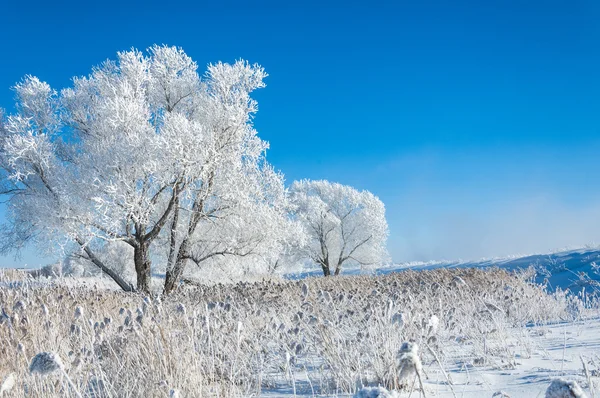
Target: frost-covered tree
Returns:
[344, 225]
[143, 150]
[234, 203]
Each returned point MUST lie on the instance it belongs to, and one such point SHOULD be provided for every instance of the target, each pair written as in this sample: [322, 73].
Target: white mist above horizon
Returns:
[534, 226]
[474, 203]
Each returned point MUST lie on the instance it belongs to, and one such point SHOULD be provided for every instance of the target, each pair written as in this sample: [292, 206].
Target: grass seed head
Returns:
[19, 306]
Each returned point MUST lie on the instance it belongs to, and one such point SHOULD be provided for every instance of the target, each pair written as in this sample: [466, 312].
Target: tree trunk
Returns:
[96, 261]
[175, 272]
[173, 246]
[325, 267]
[143, 267]
[174, 275]
[338, 269]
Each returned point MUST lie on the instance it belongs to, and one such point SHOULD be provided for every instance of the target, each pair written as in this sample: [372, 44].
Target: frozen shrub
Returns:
[304, 291]
[19, 306]
[433, 324]
[458, 281]
[399, 319]
[561, 388]
[409, 363]
[45, 363]
[375, 392]
[7, 384]
[78, 312]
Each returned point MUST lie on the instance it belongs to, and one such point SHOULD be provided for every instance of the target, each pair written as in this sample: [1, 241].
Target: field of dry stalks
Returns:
[314, 336]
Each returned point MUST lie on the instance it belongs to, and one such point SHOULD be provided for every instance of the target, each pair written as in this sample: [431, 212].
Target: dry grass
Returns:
[321, 334]
[13, 275]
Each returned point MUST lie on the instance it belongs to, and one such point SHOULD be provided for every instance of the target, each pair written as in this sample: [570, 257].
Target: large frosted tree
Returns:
[344, 226]
[142, 151]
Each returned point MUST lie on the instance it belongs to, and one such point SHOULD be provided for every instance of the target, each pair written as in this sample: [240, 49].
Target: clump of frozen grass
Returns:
[433, 324]
[45, 363]
[78, 312]
[399, 319]
[458, 281]
[232, 338]
[7, 384]
[409, 364]
[562, 388]
[19, 306]
[375, 392]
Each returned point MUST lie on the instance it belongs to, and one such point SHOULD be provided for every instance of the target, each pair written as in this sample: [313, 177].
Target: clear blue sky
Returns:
[476, 122]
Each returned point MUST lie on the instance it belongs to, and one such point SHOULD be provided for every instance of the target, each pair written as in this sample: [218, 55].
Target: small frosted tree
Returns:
[344, 226]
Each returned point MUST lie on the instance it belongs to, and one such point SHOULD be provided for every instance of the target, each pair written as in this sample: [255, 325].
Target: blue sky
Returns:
[476, 122]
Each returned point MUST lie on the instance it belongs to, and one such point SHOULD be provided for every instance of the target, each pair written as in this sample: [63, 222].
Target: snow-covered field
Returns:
[479, 332]
[555, 351]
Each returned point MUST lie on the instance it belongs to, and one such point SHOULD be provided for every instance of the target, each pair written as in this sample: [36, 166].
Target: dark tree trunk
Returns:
[338, 269]
[174, 269]
[173, 277]
[174, 274]
[178, 263]
[325, 267]
[96, 261]
[143, 239]
[143, 267]
[173, 245]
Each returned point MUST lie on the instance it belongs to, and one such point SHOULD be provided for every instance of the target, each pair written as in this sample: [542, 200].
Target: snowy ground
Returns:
[557, 351]
[532, 358]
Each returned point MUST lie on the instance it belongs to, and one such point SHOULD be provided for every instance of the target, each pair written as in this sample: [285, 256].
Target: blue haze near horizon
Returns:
[476, 123]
